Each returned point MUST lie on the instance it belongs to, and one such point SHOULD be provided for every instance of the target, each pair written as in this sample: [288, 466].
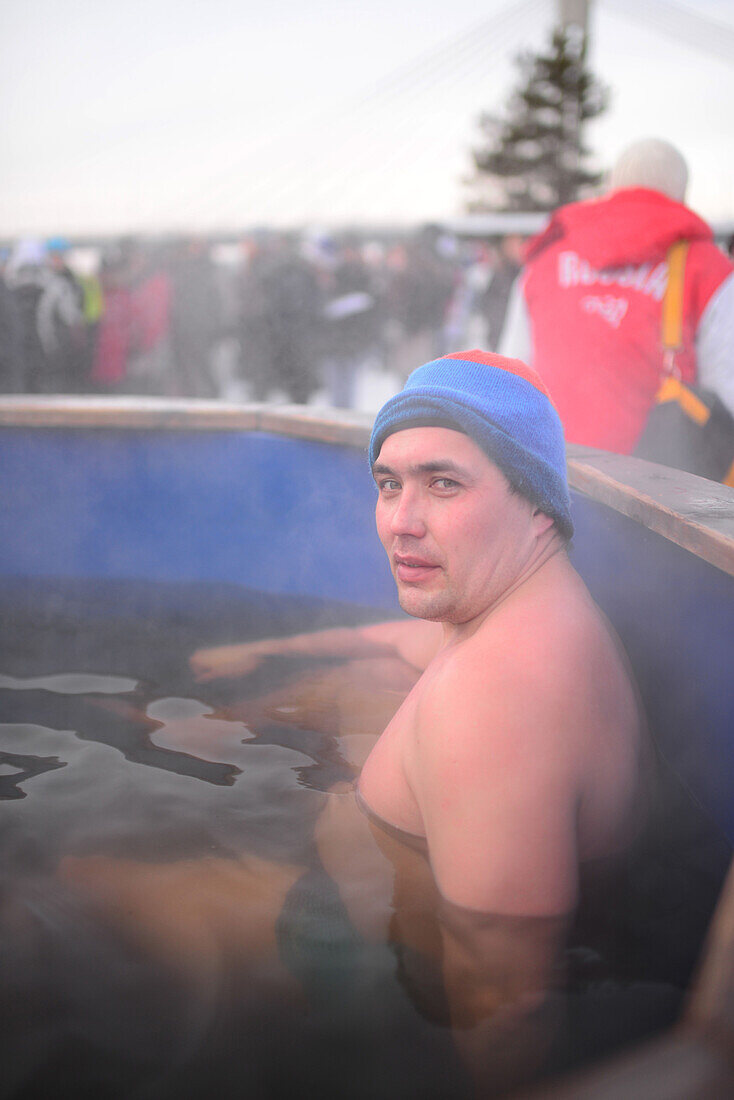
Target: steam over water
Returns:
[166, 924]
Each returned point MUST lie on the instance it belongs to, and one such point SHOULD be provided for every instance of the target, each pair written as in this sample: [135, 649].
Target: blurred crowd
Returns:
[270, 317]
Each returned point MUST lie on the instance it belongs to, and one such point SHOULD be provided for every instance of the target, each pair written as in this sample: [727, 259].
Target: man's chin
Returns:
[420, 605]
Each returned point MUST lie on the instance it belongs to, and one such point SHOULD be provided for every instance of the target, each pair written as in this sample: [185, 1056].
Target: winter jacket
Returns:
[592, 293]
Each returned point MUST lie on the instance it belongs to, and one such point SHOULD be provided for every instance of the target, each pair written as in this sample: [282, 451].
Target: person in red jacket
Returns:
[586, 311]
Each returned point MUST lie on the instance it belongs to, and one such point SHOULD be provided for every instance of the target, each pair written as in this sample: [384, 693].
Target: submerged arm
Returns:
[501, 975]
[413, 641]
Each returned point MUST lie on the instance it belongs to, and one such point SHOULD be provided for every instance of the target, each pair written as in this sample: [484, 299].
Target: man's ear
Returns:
[541, 522]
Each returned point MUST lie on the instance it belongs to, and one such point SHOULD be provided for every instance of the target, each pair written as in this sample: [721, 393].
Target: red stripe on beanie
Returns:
[502, 362]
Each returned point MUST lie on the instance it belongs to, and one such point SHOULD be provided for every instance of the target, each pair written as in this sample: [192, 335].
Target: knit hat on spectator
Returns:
[654, 164]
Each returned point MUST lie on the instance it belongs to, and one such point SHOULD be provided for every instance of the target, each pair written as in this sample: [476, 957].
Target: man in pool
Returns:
[515, 755]
[512, 759]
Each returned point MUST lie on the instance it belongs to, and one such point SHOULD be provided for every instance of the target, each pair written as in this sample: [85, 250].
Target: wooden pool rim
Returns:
[695, 1058]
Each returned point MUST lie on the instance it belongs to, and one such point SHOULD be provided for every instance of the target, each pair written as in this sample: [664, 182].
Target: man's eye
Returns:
[445, 483]
[389, 485]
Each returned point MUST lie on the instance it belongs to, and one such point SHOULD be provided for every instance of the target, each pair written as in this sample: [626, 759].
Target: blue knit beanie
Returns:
[504, 407]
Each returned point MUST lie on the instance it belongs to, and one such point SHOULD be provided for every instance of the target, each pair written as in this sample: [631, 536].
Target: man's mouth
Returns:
[409, 568]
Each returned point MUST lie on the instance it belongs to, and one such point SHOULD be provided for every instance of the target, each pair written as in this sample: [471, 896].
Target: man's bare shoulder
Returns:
[545, 663]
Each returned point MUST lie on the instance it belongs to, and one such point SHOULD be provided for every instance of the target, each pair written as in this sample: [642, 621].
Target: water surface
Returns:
[168, 926]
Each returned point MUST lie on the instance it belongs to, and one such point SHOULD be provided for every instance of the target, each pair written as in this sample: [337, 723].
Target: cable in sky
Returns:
[686, 26]
[460, 60]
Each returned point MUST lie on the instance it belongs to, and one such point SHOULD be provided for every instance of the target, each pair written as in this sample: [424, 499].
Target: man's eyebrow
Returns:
[435, 466]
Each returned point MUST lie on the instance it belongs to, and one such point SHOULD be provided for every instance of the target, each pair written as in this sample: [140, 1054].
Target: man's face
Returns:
[456, 536]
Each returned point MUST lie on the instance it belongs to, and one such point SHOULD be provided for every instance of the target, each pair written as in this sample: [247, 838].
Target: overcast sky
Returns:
[161, 114]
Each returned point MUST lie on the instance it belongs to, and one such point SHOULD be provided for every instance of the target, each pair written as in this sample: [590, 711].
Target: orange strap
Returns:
[672, 389]
[671, 333]
[671, 338]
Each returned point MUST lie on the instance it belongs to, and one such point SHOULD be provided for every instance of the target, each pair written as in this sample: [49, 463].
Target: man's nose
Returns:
[408, 515]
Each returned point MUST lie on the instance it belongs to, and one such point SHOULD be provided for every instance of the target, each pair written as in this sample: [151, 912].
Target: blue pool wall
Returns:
[675, 616]
[267, 512]
[296, 517]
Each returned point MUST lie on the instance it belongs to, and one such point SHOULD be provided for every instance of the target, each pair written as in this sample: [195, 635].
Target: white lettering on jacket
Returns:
[611, 310]
[575, 271]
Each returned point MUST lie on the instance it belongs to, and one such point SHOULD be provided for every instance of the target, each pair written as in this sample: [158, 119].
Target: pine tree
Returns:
[533, 159]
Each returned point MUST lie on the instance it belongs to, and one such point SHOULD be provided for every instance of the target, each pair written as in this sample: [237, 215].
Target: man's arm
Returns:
[498, 783]
[414, 641]
[499, 982]
[498, 791]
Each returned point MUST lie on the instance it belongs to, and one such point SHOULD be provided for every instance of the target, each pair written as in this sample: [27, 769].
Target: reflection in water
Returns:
[75, 683]
[16, 768]
[255, 934]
